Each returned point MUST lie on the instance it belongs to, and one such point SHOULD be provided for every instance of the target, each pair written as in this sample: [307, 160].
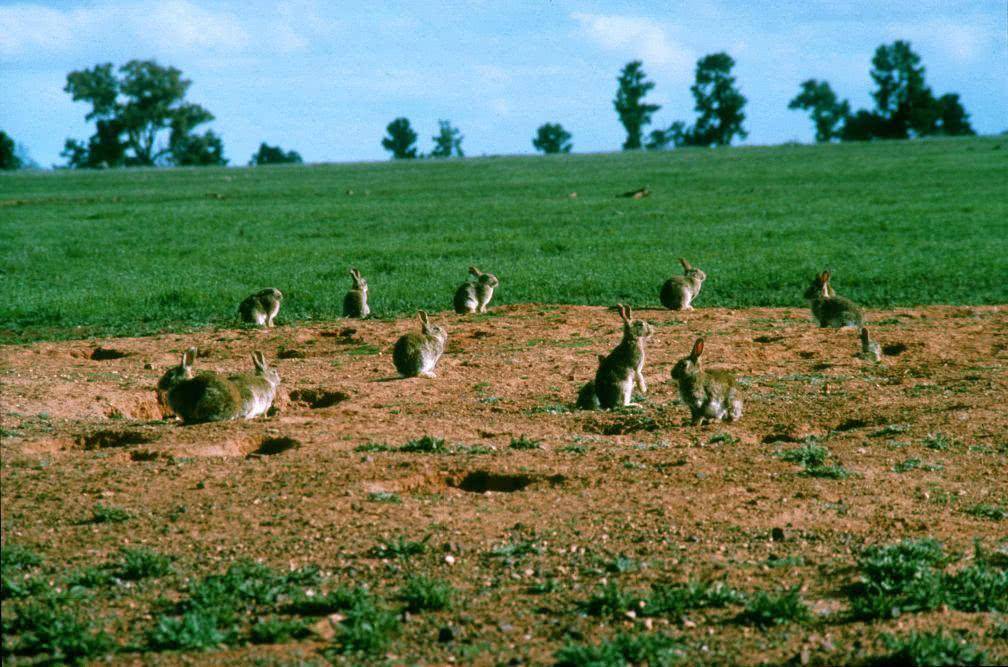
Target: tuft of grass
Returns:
[827, 472]
[674, 600]
[424, 594]
[985, 511]
[930, 649]
[810, 453]
[15, 562]
[910, 576]
[525, 443]
[137, 564]
[655, 650]
[372, 447]
[574, 449]
[939, 441]
[890, 429]
[196, 630]
[726, 438]
[399, 548]
[277, 631]
[90, 577]
[367, 630]
[338, 599]
[217, 605]
[384, 497]
[914, 464]
[766, 610]
[43, 627]
[108, 514]
[511, 552]
[610, 600]
[16, 557]
[426, 445]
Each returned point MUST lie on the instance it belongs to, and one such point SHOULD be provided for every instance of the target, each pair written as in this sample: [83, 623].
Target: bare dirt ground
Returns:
[681, 502]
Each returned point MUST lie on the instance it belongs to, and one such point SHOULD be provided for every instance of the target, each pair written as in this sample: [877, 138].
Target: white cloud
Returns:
[961, 41]
[638, 38]
[28, 28]
[169, 26]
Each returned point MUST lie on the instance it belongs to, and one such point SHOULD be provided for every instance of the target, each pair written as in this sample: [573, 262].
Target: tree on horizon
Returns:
[133, 108]
[401, 140]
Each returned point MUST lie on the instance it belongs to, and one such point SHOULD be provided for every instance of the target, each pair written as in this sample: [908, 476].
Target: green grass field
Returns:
[139, 251]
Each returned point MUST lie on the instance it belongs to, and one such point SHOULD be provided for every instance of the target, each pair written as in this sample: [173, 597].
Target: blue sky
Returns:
[325, 78]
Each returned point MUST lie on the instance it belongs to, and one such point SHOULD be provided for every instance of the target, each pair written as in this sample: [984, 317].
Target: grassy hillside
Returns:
[128, 252]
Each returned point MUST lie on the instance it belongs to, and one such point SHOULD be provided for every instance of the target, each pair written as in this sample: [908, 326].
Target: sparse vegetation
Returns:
[930, 649]
[766, 610]
[656, 650]
[424, 594]
[426, 445]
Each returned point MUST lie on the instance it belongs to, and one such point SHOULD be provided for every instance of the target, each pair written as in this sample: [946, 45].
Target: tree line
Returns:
[142, 118]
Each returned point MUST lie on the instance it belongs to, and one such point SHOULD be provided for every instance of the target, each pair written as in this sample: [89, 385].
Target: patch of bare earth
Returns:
[711, 502]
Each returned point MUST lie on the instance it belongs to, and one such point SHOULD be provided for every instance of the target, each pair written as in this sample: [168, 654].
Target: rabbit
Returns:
[828, 308]
[206, 397]
[623, 368]
[678, 292]
[417, 353]
[261, 307]
[870, 349]
[711, 395]
[587, 397]
[472, 297]
[355, 302]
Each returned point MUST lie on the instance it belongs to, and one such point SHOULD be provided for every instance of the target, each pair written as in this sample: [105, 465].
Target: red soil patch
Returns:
[703, 501]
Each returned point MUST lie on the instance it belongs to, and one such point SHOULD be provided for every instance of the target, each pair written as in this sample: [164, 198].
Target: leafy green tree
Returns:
[828, 113]
[448, 141]
[952, 118]
[132, 110]
[633, 113]
[274, 155]
[903, 101]
[552, 138]
[9, 158]
[401, 140]
[718, 102]
[905, 107]
[674, 135]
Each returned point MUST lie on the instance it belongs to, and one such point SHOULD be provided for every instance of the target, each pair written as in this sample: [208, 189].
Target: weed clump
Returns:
[766, 610]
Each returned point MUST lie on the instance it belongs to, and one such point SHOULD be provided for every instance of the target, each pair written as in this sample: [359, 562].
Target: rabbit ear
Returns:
[627, 313]
[423, 317]
[188, 357]
[476, 272]
[354, 273]
[697, 349]
[259, 359]
[864, 334]
[824, 277]
[686, 265]
[621, 309]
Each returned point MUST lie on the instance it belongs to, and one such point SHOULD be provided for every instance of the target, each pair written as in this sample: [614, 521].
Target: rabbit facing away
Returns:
[418, 353]
[207, 396]
[829, 309]
[678, 292]
[711, 395]
[622, 369]
[261, 307]
[473, 296]
[870, 349]
[355, 302]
